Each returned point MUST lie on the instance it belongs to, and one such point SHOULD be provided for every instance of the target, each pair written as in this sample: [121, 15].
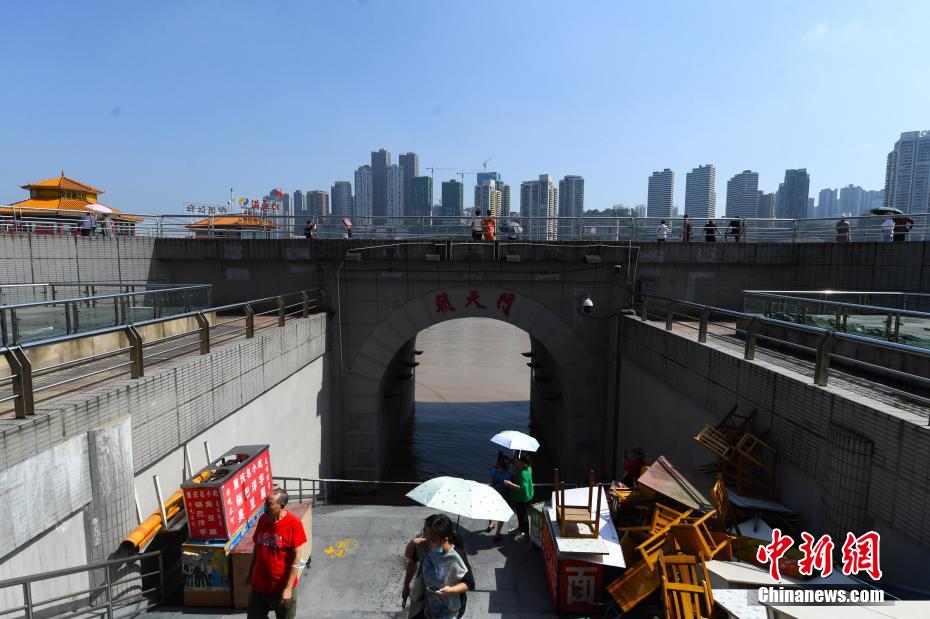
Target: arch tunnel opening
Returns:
[475, 377]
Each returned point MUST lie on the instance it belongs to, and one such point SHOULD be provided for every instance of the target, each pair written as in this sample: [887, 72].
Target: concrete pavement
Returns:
[364, 579]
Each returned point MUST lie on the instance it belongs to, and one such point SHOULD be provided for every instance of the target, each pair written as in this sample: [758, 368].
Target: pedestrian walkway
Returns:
[362, 573]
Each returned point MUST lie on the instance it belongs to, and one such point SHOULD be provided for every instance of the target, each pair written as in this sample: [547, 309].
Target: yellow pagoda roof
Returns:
[235, 221]
[63, 182]
[60, 206]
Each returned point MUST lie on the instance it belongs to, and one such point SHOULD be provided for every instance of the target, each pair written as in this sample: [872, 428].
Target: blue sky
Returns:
[165, 102]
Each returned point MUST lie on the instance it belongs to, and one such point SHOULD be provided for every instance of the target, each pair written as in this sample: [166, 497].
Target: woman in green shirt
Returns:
[522, 494]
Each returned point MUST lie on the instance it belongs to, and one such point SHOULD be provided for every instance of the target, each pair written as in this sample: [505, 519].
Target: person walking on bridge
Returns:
[902, 225]
[686, 229]
[662, 232]
[842, 230]
[710, 232]
[275, 567]
[476, 226]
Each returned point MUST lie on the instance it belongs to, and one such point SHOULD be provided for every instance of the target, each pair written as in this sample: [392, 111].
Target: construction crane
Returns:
[484, 164]
[462, 173]
[432, 168]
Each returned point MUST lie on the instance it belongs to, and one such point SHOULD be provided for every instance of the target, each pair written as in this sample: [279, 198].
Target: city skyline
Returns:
[189, 134]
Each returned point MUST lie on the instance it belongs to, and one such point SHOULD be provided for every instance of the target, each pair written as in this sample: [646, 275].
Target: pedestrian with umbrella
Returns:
[500, 473]
[902, 225]
[888, 225]
[439, 563]
[522, 494]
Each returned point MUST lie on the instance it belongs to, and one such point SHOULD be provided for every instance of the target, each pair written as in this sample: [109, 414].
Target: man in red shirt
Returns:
[275, 561]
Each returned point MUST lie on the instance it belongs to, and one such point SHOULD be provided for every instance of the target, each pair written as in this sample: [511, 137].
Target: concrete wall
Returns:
[78, 457]
[31, 259]
[717, 273]
[60, 547]
[288, 417]
[845, 464]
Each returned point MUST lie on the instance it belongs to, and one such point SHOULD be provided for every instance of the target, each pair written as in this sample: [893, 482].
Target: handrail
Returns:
[22, 371]
[884, 310]
[830, 292]
[822, 352]
[98, 297]
[29, 606]
[863, 227]
[897, 346]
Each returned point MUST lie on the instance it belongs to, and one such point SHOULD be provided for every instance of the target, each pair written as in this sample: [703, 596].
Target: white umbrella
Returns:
[518, 441]
[99, 208]
[462, 497]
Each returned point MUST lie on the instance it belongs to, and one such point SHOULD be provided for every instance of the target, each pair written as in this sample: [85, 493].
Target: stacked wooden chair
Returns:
[582, 520]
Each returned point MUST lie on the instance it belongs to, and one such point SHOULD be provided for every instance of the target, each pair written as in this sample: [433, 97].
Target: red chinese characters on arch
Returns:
[474, 297]
[504, 304]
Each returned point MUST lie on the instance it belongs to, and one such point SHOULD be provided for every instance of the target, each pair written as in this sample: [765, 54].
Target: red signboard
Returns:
[575, 586]
[550, 560]
[236, 489]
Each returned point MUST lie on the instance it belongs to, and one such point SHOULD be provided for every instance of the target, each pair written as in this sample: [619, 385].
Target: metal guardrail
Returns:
[23, 373]
[773, 303]
[51, 291]
[82, 601]
[672, 308]
[321, 491]
[121, 305]
[270, 225]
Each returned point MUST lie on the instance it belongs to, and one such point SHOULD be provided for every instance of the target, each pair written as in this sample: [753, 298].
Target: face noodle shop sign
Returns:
[575, 586]
[236, 489]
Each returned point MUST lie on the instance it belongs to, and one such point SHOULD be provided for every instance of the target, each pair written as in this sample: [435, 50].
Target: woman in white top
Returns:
[476, 226]
[887, 228]
[662, 231]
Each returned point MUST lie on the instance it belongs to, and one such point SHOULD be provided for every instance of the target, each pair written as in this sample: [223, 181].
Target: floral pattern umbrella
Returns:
[462, 497]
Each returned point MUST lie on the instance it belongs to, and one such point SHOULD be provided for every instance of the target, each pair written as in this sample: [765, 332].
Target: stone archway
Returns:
[575, 423]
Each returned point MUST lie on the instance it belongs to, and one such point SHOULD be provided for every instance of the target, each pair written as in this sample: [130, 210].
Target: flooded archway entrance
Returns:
[471, 383]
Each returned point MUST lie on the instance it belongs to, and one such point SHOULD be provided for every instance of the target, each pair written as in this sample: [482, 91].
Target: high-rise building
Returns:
[765, 205]
[779, 199]
[395, 193]
[300, 213]
[340, 195]
[743, 194]
[794, 200]
[701, 192]
[488, 198]
[317, 204]
[873, 199]
[410, 169]
[504, 188]
[852, 200]
[811, 208]
[361, 204]
[453, 198]
[907, 173]
[826, 203]
[284, 224]
[661, 192]
[380, 162]
[422, 199]
[488, 176]
[571, 207]
[538, 200]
